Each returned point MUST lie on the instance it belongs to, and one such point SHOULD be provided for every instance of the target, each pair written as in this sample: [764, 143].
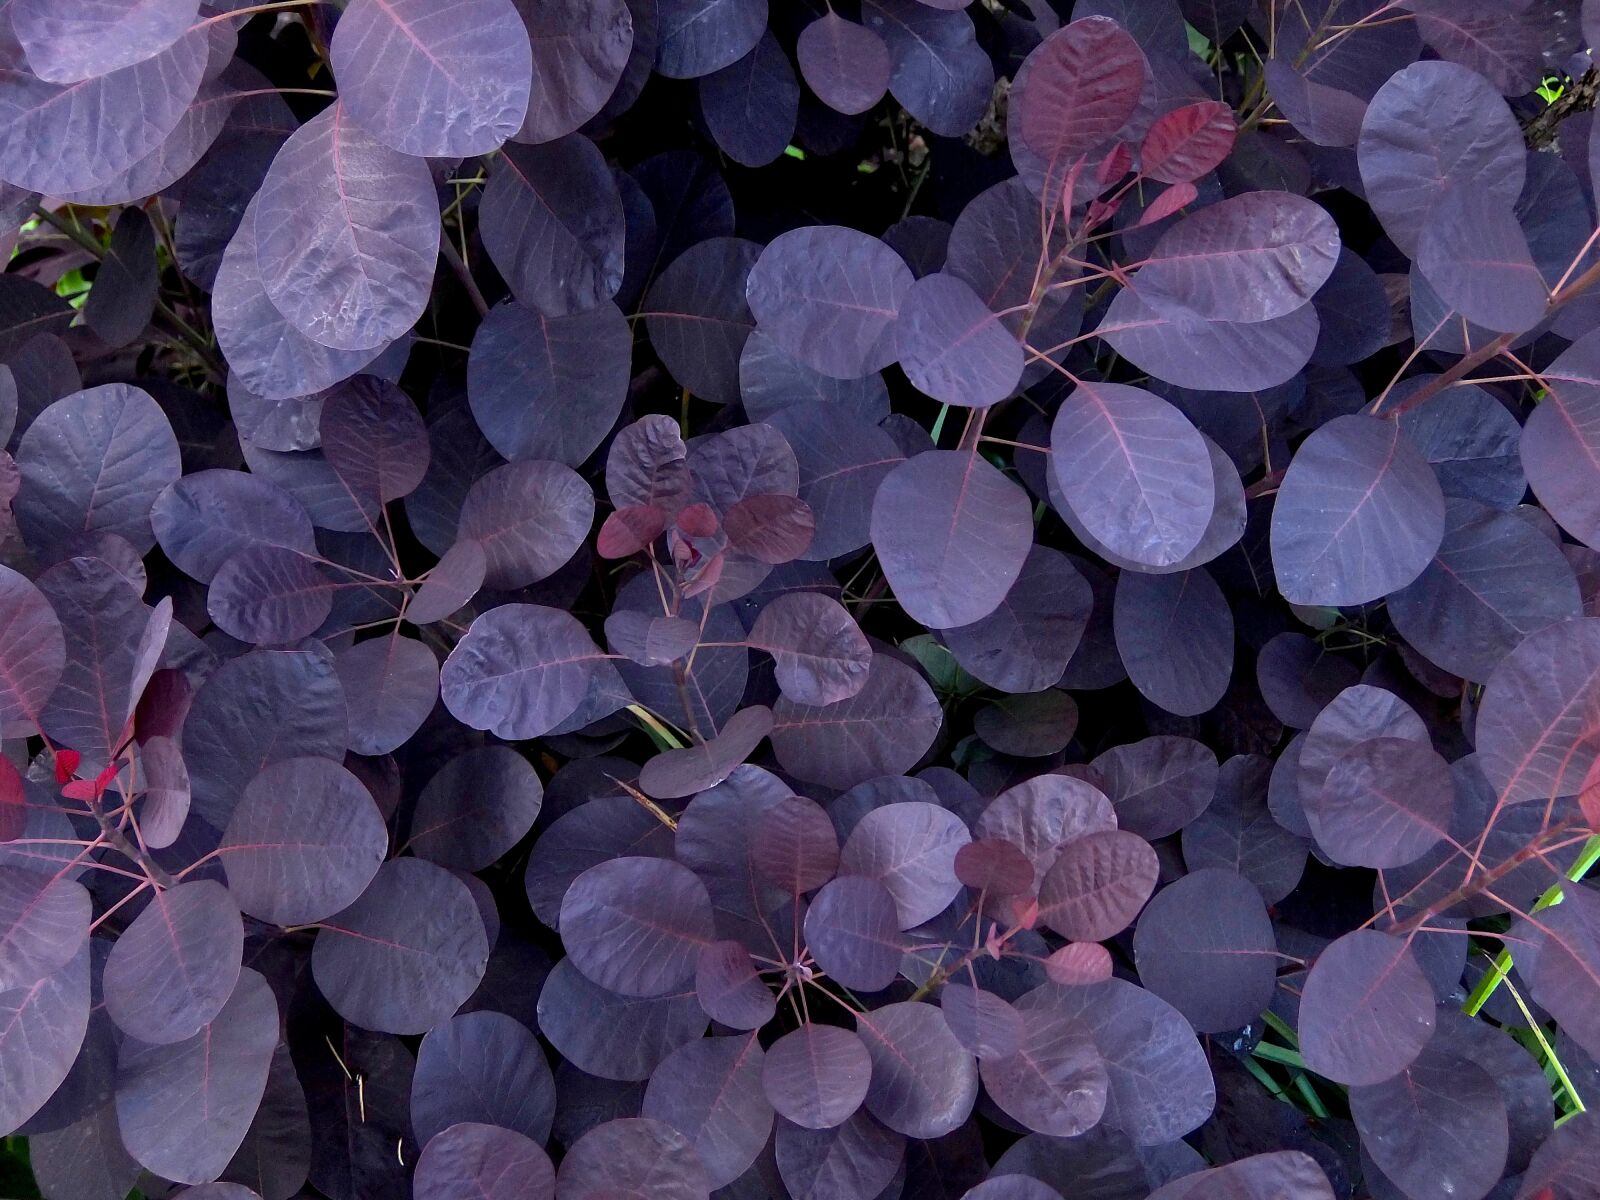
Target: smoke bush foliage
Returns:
[658, 598]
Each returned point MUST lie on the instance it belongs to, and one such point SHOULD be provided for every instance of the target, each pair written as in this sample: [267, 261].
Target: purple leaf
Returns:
[1432, 128]
[614, 1036]
[206, 517]
[728, 988]
[853, 929]
[1182, 349]
[1158, 785]
[1475, 255]
[95, 461]
[1055, 1082]
[270, 594]
[32, 652]
[910, 848]
[636, 925]
[951, 533]
[374, 438]
[750, 105]
[1097, 885]
[1249, 258]
[816, 1075]
[476, 807]
[529, 517]
[44, 919]
[856, 1160]
[1366, 1010]
[710, 1092]
[952, 347]
[184, 1108]
[698, 317]
[580, 51]
[1041, 815]
[845, 64]
[486, 1068]
[1562, 438]
[434, 78]
[1175, 635]
[359, 273]
[1075, 91]
[841, 461]
[1359, 515]
[1258, 1177]
[1238, 832]
[702, 36]
[1024, 644]
[124, 295]
[633, 1159]
[41, 1029]
[175, 966]
[676, 773]
[1187, 142]
[1205, 945]
[304, 842]
[884, 729]
[482, 1160]
[1134, 471]
[552, 221]
[390, 684]
[938, 69]
[924, 1082]
[80, 39]
[830, 296]
[63, 137]
[549, 387]
[821, 655]
[406, 954]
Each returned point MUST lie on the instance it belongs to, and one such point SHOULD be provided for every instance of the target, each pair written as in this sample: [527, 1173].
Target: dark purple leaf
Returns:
[553, 224]
[1024, 644]
[1134, 471]
[841, 462]
[1474, 254]
[830, 296]
[1183, 349]
[924, 1082]
[471, 1159]
[981, 1021]
[676, 773]
[434, 78]
[636, 925]
[1566, 971]
[44, 919]
[1359, 515]
[853, 929]
[1238, 832]
[95, 461]
[771, 529]
[374, 438]
[937, 68]
[580, 52]
[1097, 885]
[994, 865]
[698, 317]
[750, 105]
[1205, 945]
[728, 988]
[476, 807]
[1041, 815]
[41, 1029]
[952, 347]
[1538, 727]
[1158, 785]
[614, 1036]
[486, 1068]
[771, 381]
[304, 842]
[820, 653]
[62, 137]
[1258, 1177]
[529, 517]
[32, 652]
[845, 64]
[1561, 439]
[390, 685]
[951, 533]
[884, 729]
[1034, 725]
[1439, 1124]
[1472, 442]
[1298, 677]
[206, 517]
[174, 967]
[548, 387]
[910, 848]
[793, 845]
[1432, 128]
[270, 595]
[817, 1075]
[1249, 258]
[1056, 1082]
[184, 1108]
[857, 1160]
[1175, 635]
[123, 298]
[702, 36]
[1366, 1010]
[710, 1091]
[406, 954]
[346, 231]
[633, 1159]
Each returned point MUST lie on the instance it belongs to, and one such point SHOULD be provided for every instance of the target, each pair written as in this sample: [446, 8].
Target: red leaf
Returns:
[1187, 142]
